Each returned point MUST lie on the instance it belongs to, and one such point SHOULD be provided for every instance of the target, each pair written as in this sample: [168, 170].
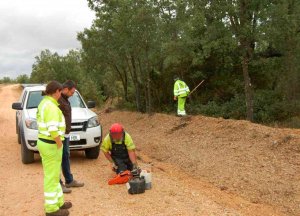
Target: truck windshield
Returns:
[35, 97]
[76, 101]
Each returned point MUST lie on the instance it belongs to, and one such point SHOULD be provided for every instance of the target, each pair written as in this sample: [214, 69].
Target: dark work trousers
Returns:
[66, 169]
[123, 164]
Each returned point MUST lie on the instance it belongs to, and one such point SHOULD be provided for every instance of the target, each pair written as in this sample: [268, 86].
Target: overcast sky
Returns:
[29, 26]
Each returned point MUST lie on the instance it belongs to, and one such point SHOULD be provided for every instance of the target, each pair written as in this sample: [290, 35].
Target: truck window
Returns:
[34, 99]
[76, 101]
[23, 98]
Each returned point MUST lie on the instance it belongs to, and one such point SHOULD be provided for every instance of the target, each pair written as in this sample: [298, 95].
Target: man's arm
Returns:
[53, 128]
[175, 91]
[108, 156]
[132, 156]
[131, 149]
[105, 148]
[114, 167]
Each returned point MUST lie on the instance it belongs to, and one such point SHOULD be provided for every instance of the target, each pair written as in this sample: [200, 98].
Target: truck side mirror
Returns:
[17, 106]
[91, 104]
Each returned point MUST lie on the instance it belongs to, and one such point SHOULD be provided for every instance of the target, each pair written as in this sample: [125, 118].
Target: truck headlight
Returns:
[31, 124]
[93, 122]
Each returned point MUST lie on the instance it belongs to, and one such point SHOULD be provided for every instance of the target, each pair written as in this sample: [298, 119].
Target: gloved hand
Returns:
[135, 170]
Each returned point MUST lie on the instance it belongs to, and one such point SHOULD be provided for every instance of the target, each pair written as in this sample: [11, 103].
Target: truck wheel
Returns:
[92, 153]
[19, 138]
[26, 154]
[18, 131]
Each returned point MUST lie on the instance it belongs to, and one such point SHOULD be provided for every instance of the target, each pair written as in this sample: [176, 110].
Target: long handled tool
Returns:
[196, 87]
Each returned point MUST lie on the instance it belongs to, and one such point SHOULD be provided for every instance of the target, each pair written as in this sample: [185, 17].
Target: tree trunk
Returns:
[248, 88]
[149, 108]
[243, 25]
[143, 83]
[148, 80]
[123, 80]
[136, 84]
[125, 85]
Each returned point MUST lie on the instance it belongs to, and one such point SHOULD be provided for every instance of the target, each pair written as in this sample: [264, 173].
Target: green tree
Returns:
[46, 67]
[246, 50]
[22, 79]
[51, 66]
[124, 40]
[6, 80]
[243, 19]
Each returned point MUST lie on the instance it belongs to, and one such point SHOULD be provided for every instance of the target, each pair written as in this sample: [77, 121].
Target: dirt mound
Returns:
[259, 163]
[190, 153]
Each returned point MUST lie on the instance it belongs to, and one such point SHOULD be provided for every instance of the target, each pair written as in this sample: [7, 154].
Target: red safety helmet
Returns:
[116, 131]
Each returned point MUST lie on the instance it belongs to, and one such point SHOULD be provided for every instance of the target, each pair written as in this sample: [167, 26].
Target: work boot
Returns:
[75, 183]
[65, 189]
[59, 212]
[66, 205]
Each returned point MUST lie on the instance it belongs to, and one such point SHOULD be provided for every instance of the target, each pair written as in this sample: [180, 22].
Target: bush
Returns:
[235, 108]
[22, 79]
[89, 91]
[269, 107]
[6, 80]
[127, 105]
[293, 122]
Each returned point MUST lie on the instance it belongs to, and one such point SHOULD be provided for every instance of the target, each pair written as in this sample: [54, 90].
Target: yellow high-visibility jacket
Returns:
[107, 145]
[50, 120]
[181, 89]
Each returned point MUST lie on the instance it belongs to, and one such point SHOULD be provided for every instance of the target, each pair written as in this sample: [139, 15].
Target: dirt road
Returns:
[174, 191]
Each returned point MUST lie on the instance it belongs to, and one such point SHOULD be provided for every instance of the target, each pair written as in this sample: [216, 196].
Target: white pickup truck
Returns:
[86, 132]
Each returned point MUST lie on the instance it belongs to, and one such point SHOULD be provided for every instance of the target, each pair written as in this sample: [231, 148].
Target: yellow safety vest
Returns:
[181, 89]
[50, 120]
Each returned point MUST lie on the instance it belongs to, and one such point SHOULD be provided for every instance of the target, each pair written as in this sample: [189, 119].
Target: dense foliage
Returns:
[248, 52]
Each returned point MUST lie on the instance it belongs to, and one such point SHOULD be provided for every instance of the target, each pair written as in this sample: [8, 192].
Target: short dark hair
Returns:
[69, 84]
[52, 87]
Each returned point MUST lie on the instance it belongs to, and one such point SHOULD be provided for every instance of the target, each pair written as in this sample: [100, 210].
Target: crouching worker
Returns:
[119, 150]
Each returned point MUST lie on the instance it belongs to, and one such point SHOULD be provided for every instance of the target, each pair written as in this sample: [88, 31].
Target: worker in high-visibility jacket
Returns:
[181, 91]
[119, 150]
[51, 128]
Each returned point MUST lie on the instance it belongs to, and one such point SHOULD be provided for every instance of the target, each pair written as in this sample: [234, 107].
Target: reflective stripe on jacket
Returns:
[50, 120]
[107, 143]
[181, 89]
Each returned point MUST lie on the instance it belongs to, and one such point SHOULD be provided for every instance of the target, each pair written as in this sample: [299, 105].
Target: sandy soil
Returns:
[201, 166]
[259, 163]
